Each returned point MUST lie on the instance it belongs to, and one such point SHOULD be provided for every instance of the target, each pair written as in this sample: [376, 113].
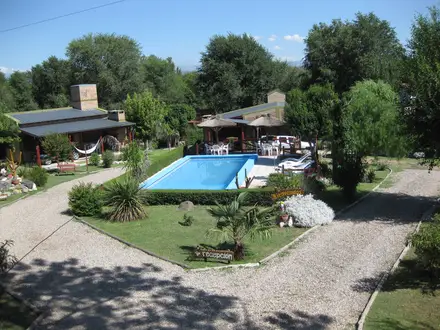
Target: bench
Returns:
[66, 168]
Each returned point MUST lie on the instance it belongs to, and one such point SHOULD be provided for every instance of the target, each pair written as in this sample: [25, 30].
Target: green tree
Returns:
[235, 72]
[109, 60]
[309, 113]
[368, 124]
[165, 80]
[21, 86]
[178, 116]
[7, 101]
[374, 127]
[293, 77]
[147, 112]
[50, 83]
[345, 52]
[57, 146]
[236, 222]
[8, 131]
[421, 93]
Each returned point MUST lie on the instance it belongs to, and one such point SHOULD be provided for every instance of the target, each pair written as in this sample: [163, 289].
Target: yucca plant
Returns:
[236, 222]
[123, 198]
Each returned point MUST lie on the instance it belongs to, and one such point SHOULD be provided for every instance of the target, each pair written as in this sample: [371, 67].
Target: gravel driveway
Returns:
[85, 280]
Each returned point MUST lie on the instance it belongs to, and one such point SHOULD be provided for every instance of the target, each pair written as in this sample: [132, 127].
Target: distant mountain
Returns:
[295, 63]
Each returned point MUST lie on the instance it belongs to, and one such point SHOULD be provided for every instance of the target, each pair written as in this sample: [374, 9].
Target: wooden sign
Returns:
[286, 193]
[226, 255]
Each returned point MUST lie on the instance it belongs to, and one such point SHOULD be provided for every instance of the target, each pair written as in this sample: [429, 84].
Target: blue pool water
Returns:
[202, 172]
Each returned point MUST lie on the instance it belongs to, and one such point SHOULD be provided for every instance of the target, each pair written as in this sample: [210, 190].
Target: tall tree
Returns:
[7, 101]
[293, 77]
[165, 80]
[345, 52]
[421, 94]
[309, 113]
[235, 72]
[110, 61]
[21, 86]
[368, 124]
[50, 83]
[178, 116]
[147, 112]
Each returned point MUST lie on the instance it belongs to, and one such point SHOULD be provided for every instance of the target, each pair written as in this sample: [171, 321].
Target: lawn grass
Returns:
[333, 196]
[162, 234]
[54, 180]
[409, 300]
[13, 314]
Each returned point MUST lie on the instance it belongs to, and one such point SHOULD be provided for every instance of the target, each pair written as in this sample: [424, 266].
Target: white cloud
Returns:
[257, 37]
[294, 37]
[273, 37]
[277, 47]
[8, 71]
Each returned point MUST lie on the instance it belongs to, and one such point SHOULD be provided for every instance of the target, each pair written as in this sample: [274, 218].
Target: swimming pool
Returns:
[203, 172]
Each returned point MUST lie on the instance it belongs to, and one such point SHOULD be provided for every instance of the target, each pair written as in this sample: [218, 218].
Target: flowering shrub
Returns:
[307, 211]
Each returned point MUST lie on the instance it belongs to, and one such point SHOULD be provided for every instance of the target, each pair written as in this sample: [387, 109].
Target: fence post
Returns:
[197, 148]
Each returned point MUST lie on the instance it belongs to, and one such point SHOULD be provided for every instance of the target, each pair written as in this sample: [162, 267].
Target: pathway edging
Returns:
[360, 324]
[245, 265]
[128, 243]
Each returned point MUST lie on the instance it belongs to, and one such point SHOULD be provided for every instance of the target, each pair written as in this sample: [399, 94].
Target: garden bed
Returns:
[408, 300]
[162, 234]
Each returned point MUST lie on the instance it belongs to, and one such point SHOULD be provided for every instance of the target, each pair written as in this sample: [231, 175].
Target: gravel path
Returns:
[90, 281]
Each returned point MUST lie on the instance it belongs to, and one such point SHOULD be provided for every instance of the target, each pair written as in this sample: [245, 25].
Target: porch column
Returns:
[243, 147]
[37, 148]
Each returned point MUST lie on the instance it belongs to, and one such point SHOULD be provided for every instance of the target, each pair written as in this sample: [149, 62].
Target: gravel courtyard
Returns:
[85, 280]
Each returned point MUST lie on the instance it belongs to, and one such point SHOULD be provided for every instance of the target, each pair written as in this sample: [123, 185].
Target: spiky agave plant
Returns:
[123, 198]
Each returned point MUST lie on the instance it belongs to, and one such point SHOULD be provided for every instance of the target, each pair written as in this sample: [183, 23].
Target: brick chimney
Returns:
[84, 97]
[276, 96]
[116, 115]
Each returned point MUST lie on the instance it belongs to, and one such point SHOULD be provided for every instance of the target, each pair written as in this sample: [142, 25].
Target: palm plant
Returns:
[123, 197]
[236, 222]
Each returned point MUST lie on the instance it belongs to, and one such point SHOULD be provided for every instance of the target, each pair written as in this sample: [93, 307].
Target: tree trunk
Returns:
[238, 251]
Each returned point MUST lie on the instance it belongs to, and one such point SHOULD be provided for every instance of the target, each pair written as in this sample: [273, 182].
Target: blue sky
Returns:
[182, 28]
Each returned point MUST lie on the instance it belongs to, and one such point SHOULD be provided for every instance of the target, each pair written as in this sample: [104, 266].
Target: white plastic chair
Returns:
[225, 149]
[216, 150]
[208, 149]
[267, 148]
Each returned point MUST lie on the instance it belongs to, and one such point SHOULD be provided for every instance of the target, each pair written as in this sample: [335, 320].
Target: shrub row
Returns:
[260, 196]
[165, 160]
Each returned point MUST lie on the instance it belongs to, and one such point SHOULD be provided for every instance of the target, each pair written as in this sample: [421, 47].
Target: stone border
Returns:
[245, 265]
[360, 323]
[79, 219]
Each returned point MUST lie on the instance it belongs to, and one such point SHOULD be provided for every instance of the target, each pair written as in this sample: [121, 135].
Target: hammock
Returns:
[88, 151]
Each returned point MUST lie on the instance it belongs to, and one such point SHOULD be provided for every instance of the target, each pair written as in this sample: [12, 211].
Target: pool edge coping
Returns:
[181, 161]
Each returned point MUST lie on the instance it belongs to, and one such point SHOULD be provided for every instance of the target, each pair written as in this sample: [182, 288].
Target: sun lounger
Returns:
[295, 161]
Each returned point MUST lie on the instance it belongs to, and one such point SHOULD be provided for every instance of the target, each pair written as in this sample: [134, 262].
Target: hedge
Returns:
[260, 196]
[161, 162]
[165, 160]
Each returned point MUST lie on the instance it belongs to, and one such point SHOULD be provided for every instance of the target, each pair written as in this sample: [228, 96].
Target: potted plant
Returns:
[284, 217]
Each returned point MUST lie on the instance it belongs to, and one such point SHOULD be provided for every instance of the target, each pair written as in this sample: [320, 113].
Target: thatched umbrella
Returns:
[216, 124]
[266, 121]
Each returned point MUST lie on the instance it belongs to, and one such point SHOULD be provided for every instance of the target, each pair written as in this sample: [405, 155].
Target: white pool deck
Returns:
[261, 170]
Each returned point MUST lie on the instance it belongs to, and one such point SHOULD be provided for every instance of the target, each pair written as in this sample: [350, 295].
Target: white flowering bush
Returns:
[307, 211]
